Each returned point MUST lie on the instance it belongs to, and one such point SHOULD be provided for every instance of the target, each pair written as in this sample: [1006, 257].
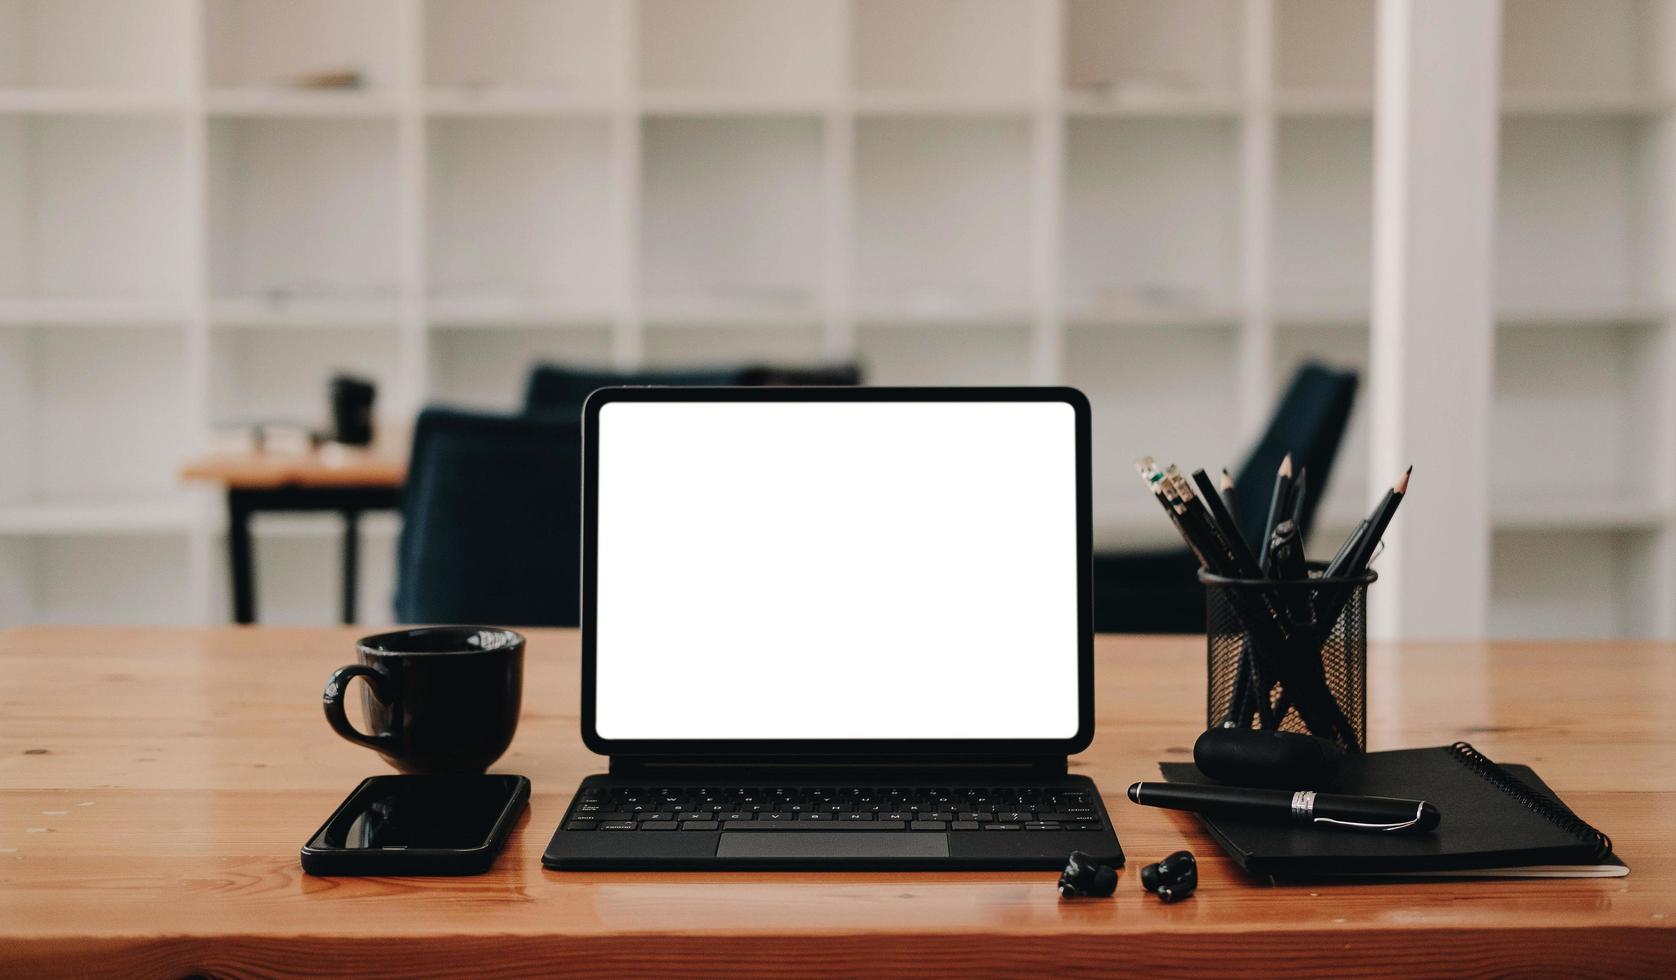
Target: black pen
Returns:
[1377, 813]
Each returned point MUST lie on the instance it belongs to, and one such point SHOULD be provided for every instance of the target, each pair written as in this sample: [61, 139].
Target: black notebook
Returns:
[1498, 821]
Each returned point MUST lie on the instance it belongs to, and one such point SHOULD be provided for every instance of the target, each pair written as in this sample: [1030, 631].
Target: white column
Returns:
[1257, 152]
[1047, 166]
[1433, 321]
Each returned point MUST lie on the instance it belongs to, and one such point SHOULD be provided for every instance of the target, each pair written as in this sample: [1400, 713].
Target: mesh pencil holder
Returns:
[1289, 655]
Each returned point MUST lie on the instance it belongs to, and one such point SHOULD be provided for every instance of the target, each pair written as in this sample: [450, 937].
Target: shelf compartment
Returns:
[264, 103]
[1579, 584]
[1582, 46]
[114, 516]
[492, 102]
[1584, 316]
[298, 45]
[1124, 313]
[1151, 213]
[1324, 49]
[114, 46]
[282, 374]
[491, 48]
[1153, 47]
[1163, 392]
[71, 313]
[92, 580]
[931, 353]
[731, 211]
[725, 346]
[1097, 104]
[488, 369]
[1323, 222]
[507, 312]
[942, 213]
[92, 208]
[92, 414]
[521, 214]
[1571, 223]
[1555, 513]
[964, 47]
[794, 309]
[303, 212]
[718, 46]
[1575, 415]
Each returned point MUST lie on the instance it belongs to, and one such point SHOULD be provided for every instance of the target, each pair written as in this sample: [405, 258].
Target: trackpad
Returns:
[767, 844]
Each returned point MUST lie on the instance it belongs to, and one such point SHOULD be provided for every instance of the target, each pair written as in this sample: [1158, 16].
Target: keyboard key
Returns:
[695, 816]
[776, 817]
[980, 816]
[1014, 816]
[896, 815]
[1003, 826]
[579, 825]
[928, 825]
[818, 816]
[737, 816]
[1040, 825]
[658, 825]
[700, 825]
[854, 816]
[965, 825]
[653, 817]
[943, 815]
[618, 825]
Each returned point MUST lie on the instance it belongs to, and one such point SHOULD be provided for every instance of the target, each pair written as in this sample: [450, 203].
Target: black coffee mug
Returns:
[440, 699]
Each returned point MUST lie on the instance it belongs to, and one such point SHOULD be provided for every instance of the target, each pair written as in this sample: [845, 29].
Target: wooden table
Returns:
[334, 478]
[155, 786]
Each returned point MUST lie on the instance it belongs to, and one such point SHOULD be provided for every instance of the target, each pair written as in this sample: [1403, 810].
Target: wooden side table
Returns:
[333, 478]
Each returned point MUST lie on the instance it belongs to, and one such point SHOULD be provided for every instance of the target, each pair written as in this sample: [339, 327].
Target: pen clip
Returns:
[1386, 827]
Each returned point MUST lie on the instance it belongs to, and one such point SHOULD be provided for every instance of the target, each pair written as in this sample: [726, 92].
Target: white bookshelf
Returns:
[1583, 498]
[206, 206]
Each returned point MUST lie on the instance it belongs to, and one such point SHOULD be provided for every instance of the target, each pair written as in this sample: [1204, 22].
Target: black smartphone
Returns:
[418, 825]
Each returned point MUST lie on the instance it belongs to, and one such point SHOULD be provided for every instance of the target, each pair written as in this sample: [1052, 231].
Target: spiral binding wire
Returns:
[1535, 800]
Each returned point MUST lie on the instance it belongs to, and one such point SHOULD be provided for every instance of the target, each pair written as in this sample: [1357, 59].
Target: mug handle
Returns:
[332, 700]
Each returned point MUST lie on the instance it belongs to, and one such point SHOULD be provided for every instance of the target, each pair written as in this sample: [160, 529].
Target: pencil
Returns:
[1300, 490]
[1379, 521]
[1277, 507]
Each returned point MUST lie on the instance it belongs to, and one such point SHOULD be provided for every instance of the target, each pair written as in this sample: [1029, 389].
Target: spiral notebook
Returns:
[1498, 821]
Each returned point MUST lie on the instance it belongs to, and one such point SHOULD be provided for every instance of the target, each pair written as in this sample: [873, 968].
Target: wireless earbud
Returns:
[1085, 877]
[1173, 878]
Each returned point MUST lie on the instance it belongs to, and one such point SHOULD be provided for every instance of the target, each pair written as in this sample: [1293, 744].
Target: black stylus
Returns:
[1380, 813]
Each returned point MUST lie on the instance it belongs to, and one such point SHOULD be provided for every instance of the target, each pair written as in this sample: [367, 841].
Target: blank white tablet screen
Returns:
[836, 570]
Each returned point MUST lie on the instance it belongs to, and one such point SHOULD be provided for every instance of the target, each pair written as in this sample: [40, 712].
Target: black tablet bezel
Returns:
[833, 748]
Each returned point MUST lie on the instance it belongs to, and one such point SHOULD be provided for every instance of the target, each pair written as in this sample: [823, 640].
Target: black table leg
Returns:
[351, 502]
[239, 557]
[351, 562]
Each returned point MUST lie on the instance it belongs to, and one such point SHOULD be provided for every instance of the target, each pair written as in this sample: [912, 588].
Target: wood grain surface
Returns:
[155, 786]
[331, 466]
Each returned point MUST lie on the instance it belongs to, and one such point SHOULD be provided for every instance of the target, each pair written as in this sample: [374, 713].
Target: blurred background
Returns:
[209, 208]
